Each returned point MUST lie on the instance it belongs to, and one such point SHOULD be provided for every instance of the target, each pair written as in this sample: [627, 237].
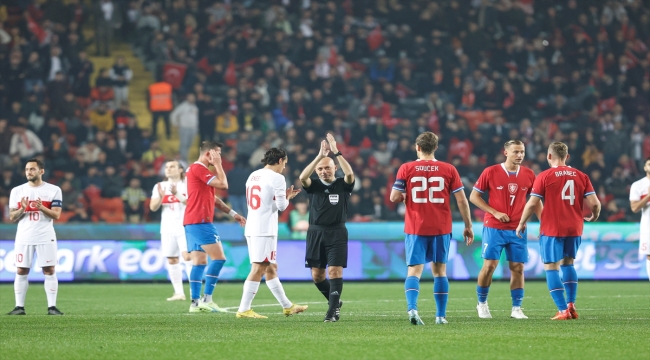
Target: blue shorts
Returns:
[200, 234]
[495, 240]
[554, 249]
[425, 249]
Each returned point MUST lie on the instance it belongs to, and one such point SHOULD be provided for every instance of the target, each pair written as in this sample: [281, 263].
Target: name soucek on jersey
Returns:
[173, 211]
[507, 193]
[428, 185]
[34, 228]
[266, 194]
[328, 203]
[563, 190]
[200, 195]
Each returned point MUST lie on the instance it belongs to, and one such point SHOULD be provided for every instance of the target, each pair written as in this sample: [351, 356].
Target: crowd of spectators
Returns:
[373, 73]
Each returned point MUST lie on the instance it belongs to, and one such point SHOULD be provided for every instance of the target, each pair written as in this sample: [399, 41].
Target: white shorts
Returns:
[172, 245]
[262, 248]
[45, 253]
[644, 243]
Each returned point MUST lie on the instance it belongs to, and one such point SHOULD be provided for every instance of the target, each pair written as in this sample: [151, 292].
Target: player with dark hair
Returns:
[563, 190]
[425, 186]
[266, 194]
[640, 201]
[35, 205]
[508, 185]
[202, 236]
[327, 236]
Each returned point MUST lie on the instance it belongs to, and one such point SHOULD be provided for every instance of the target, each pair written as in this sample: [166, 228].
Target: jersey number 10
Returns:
[437, 184]
[253, 197]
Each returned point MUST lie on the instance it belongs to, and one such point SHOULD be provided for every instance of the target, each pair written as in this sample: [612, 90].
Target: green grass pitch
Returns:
[133, 321]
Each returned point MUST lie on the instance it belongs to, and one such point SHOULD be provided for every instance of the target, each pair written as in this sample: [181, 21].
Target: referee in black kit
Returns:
[327, 236]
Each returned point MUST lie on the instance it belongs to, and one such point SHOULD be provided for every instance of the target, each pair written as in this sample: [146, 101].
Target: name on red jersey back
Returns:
[563, 190]
[428, 185]
[200, 195]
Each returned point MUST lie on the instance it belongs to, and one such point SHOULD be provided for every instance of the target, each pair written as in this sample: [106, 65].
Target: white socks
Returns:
[250, 289]
[278, 291]
[51, 285]
[176, 276]
[188, 268]
[21, 284]
[647, 267]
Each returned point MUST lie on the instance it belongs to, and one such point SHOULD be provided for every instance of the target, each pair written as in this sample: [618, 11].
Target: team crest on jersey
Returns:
[334, 199]
[512, 187]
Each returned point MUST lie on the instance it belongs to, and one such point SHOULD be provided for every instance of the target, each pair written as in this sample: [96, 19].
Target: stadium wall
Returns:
[376, 252]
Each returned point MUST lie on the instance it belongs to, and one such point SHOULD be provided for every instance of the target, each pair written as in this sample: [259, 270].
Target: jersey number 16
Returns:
[253, 197]
[437, 184]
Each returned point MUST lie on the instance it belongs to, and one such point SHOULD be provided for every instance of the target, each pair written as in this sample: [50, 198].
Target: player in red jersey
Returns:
[425, 186]
[202, 237]
[563, 190]
[508, 185]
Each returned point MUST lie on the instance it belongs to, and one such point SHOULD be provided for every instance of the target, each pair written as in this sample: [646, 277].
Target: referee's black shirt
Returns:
[328, 204]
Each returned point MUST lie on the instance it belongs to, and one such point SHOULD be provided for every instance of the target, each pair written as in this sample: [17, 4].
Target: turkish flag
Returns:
[174, 73]
[204, 66]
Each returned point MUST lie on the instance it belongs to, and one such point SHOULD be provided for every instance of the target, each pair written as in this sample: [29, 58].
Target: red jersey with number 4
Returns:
[200, 195]
[507, 192]
[428, 185]
[563, 190]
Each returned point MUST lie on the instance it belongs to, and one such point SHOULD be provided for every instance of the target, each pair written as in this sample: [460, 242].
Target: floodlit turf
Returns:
[133, 321]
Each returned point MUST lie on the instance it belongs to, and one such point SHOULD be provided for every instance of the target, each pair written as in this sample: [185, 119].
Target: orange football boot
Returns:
[572, 310]
[562, 315]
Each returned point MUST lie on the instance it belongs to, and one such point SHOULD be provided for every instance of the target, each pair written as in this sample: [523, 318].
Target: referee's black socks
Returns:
[336, 288]
[324, 288]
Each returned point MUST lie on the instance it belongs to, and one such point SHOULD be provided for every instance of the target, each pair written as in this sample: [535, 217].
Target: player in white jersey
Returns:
[266, 194]
[171, 195]
[640, 201]
[35, 205]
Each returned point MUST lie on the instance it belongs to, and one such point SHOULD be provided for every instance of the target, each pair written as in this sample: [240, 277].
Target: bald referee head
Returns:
[326, 169]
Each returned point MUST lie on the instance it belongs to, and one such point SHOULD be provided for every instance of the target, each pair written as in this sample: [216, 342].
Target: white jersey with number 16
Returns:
[266, 193]
[34, 228]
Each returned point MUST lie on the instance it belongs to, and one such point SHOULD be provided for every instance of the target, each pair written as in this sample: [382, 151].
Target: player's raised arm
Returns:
[463, 207]
[54, 212]
[529, 209]
[219, 181]
[637, 203]
[156, 198]
[305, 175]
[594, 206]
[345, 165]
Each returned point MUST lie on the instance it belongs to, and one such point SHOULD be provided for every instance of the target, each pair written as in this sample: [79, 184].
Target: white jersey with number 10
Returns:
[266, 193]
[34, 228]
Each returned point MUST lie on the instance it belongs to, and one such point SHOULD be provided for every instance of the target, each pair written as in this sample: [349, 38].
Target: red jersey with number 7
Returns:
[200, 195]
[563, 190]
[428, 185]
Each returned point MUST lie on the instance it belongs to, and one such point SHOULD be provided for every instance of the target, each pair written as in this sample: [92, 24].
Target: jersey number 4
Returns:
[433, 184]
[253, 197]
[568, 192]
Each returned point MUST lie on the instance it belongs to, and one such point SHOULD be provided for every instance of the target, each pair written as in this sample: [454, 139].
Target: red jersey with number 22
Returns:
[200, 195]
[563, 190]
[428, 185]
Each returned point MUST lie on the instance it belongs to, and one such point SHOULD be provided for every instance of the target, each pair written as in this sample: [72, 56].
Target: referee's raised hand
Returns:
[324, 149]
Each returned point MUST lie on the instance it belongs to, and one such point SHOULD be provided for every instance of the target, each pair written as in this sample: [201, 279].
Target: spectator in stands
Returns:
[25, 143]
[237, 178]
[121, 75]
[186, 118]
[112, 183]
[108, 17]
[159, 96]
[102, 118]
[70, 196]
[81, 69]
[134, 197]
[299, 220]
[103, 90]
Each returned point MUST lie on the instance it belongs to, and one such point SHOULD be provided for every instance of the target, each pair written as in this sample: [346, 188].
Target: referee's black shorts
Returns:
[326, 245]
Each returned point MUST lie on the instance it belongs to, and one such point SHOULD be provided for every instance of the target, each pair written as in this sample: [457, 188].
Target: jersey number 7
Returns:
[424, 185]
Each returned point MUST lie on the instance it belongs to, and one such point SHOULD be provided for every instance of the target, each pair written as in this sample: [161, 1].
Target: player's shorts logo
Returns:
[334, 199]
[512, 187]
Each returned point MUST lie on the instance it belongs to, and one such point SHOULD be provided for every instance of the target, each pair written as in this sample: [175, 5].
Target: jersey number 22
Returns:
[437, 184]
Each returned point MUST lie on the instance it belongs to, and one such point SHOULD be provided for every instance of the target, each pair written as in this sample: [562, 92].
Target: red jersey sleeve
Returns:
[455, 182]
[400, 179]
[482, 184]
[203, 174]
[538, 187]
[589, 188]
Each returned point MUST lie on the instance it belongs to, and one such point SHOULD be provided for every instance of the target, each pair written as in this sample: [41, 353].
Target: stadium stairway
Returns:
[142, 78]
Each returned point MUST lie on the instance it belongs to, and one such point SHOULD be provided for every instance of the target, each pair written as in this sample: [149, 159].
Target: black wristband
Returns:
[338, 154]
